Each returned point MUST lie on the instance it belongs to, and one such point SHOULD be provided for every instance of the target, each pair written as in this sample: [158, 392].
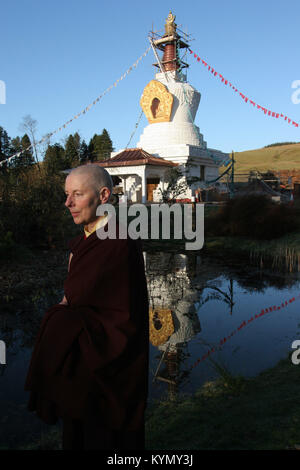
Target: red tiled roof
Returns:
[133, 157]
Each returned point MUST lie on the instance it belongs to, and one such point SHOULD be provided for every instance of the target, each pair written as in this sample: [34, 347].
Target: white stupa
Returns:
[171, 139]
[170, 103]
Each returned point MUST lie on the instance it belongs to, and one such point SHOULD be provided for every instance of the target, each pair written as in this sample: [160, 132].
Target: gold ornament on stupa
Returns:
[156, 102]
[161, 325]
[170, 25]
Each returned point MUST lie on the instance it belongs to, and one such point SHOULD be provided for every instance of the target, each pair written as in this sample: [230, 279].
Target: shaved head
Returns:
[95, 176]
[87, 187]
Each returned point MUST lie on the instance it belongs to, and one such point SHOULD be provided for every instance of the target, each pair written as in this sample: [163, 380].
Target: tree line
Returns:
[57, 157]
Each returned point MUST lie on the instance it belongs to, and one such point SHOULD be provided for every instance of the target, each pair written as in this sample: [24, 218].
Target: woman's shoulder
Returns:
[74, 242]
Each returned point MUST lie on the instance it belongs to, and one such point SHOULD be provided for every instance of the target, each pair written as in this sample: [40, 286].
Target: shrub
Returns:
[32, 209]
[254, 216]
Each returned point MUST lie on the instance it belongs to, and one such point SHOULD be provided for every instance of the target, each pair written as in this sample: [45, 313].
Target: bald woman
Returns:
[89, 366]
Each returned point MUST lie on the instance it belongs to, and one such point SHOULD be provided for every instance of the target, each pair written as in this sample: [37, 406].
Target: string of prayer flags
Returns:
[244, 97]
[85, 110]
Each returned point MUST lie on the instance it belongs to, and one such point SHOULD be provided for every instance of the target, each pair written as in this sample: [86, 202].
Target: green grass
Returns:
[281, 157]
[232, 413]
[282, 253]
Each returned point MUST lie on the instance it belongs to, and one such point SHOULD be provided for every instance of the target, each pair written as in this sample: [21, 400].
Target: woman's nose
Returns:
[69, 201]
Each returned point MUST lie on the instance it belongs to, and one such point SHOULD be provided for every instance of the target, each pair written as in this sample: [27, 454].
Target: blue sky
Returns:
[58, 56]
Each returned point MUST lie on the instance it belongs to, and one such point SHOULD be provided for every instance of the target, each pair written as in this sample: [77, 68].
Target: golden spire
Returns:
[170, 25]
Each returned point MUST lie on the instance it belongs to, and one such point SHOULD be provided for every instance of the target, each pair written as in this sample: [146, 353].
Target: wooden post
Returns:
[232, 176]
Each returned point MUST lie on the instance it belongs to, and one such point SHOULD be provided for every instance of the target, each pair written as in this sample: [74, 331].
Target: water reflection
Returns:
[195, 303]
[173, 316]
[219, 294]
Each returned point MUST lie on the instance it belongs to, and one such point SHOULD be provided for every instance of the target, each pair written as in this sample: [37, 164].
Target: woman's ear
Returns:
[104, 195]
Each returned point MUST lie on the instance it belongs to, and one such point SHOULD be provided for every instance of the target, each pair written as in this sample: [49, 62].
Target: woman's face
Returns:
[82, 199]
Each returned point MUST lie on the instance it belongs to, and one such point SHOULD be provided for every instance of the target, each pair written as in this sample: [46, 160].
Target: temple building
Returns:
[171, 139]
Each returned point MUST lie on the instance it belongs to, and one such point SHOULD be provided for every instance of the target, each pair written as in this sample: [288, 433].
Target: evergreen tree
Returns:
[95, 147]
[84, 153]
[91, 151]
[54, 159]
[107, 146]
[100, 146]
[16, 145]
[72, 150]
[5, 146]
[26, 158]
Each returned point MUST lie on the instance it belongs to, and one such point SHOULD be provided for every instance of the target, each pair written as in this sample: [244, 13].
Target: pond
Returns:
[205, 314]
[234, 317]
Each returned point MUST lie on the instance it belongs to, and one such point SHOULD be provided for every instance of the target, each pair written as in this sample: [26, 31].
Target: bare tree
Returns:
[29, 125]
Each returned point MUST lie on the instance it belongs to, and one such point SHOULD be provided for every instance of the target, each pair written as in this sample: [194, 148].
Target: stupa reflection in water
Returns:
[173, 316]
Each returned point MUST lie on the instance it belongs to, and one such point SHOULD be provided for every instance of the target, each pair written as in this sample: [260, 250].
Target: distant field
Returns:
[281, 157]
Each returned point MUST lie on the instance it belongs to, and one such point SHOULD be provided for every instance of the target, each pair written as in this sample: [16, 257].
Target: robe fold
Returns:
[91, 356]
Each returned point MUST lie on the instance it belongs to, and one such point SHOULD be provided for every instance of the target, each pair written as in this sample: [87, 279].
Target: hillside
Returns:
[280, 157]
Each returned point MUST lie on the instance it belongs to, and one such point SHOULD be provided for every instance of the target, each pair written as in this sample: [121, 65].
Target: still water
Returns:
[209, 302]
[195, 303]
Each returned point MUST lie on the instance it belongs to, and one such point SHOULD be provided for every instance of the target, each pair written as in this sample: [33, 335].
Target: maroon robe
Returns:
[91, 356]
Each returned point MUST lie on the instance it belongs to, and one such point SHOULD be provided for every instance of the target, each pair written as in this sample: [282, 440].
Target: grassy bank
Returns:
[282, 253]
[232, 413]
